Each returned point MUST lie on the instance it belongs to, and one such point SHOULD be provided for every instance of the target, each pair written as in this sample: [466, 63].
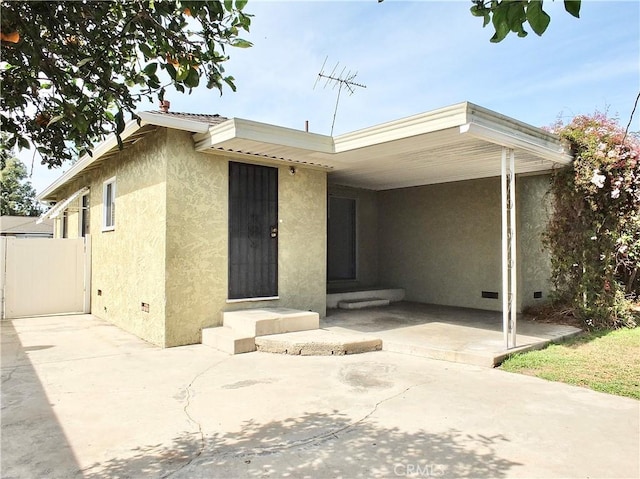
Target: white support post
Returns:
[513, 264]
[509, 264]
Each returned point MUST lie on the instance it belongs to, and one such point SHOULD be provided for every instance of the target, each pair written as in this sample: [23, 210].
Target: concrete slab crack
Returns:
[318, 438]
[191, 419]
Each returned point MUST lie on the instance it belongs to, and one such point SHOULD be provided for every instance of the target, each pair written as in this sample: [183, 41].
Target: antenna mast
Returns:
[342, 80]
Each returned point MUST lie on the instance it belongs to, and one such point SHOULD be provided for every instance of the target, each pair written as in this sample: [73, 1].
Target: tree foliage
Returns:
[507, 16]
[594, 233]
[71, 70]
[17, 196]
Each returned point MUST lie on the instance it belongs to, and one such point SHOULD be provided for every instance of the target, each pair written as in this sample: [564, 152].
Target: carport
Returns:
[451, 145]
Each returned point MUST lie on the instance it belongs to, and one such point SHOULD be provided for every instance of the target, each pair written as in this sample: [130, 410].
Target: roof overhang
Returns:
[458, 142]
[454, 143]
[133, 132]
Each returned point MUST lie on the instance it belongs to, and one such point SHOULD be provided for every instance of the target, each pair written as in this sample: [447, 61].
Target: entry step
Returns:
[227, 340]
[240, 328]
[362, 303]
[392, 294]
[265, 321]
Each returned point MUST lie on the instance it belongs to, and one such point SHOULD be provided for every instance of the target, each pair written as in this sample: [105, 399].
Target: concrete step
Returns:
[227, 340]
[317, 343]
[266, 321]
[392, 294]
[362, 303]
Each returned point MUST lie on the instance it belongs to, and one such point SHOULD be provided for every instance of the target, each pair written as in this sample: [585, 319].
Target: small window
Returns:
[65, 224]
[109, 205]
[84, 215]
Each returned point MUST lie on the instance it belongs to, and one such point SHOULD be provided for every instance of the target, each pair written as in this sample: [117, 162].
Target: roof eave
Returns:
[110, 142]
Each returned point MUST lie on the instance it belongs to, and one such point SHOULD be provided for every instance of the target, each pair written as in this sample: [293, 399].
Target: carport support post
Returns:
[509, 264]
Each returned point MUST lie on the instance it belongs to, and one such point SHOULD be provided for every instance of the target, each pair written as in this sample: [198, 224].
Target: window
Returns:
[84, 215]
[109, 205]
[65, 224]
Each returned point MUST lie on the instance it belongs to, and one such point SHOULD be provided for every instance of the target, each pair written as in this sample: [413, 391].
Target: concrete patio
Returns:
[460, 335]
[84, 399]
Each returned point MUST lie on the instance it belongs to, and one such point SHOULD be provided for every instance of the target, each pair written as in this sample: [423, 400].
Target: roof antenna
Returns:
[341, 80]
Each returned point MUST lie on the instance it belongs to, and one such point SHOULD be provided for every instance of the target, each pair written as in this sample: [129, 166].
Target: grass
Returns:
[603, 361]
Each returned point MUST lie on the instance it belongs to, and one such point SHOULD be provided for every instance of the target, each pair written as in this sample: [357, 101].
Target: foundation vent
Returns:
[490, 294]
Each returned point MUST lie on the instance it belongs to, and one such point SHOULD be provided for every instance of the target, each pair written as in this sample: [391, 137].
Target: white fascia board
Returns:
[435, 120]
[238, 128]
[553, 151]
[59, 207]
[109, 143]
[172, 122]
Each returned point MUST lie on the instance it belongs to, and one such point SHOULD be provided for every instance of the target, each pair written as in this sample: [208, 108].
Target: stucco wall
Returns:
[366, 237]
[442, 242]
[128, 263]
[534, 210]
[197, 241]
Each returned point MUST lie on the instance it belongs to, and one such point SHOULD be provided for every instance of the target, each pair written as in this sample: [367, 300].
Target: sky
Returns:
[415, 57]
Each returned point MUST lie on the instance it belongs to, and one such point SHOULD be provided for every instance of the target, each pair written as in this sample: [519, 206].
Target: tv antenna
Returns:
[345, 79]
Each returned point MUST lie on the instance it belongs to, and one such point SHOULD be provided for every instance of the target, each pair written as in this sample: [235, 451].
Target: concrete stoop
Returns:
[240, 328]
[317, 343]
[362, 303]
[364, 298]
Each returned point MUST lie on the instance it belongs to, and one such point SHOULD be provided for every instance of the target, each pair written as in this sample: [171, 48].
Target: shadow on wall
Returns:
[314, 445]
[33, 442]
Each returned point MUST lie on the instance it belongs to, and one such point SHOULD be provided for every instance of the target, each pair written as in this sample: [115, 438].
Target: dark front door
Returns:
[341, 241]
[253, 231]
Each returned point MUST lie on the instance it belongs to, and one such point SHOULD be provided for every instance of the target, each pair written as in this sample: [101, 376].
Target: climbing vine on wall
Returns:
[594, 233]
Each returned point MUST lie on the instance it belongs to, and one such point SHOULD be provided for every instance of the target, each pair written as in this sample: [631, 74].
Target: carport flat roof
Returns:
[458, 142]
[454, 143]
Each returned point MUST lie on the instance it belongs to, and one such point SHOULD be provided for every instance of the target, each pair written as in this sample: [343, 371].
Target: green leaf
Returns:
[146, 50]
[171, 70]
[240, 43]
[193, 79]
[537, 17]
[182, 73]
[228, 5]
[240, 4]
[23, 143]
[573, 7]
[151, 68]
[119, 117]
[500, 24]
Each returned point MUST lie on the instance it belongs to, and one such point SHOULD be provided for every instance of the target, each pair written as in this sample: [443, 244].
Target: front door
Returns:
[253, 231]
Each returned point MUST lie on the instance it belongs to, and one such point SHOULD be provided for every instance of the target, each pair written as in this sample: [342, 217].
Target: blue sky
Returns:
[418, 56]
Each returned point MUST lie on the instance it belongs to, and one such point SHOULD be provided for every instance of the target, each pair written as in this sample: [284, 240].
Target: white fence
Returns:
[44, 276]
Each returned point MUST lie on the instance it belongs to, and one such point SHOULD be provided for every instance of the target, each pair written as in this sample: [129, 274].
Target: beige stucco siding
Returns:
[197, 241]
[196, 267]
[442, 243]
[366, 236]
[128, 263]
[534, 210]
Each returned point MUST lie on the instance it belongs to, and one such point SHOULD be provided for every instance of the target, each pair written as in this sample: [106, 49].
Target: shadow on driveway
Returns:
[33, 442]
[314, 445]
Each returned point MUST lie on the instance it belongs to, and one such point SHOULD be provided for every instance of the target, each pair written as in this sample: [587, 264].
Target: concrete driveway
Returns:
[81, 398]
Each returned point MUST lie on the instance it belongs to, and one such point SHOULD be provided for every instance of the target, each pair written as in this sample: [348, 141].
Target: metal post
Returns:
[505, 249]
[509, 264]
[513, 264]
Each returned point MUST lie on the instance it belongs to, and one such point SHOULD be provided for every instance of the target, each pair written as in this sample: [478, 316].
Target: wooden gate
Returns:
[41, 276]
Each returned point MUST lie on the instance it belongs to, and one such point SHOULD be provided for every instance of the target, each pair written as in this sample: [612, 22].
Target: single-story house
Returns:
[25, 227]
[201, 214]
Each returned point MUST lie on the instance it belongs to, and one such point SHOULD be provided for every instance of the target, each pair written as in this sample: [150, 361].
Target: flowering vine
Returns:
[594, 233]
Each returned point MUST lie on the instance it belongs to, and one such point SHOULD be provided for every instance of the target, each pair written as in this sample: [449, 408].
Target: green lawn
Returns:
[603, 361]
